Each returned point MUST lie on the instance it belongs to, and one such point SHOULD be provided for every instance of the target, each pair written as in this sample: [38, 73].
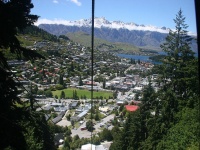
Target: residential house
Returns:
[73, 105]
[93, 147]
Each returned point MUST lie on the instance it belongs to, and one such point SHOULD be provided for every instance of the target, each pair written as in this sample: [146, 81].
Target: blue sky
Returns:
[148, 12]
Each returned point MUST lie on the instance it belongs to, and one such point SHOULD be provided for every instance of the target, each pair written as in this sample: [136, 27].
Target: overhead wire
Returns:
[92, 73]
[92, 67]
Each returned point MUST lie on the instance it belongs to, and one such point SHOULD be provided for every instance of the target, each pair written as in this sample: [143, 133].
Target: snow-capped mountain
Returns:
[102, 22]
[145, 36]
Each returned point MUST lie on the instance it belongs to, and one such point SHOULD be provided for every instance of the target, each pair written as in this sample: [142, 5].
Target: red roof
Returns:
[131, 107]
[89, 83]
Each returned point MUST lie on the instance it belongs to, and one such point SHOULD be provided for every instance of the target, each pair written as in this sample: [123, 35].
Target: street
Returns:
[87, 134]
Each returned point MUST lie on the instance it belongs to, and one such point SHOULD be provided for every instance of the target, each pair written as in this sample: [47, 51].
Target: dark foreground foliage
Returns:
[167, 119]
[20, 128]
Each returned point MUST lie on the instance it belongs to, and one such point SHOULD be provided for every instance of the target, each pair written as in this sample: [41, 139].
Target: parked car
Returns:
[83, 128]
[101, 124]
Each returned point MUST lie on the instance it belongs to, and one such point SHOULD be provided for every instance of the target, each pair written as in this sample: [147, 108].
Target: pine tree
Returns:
[162, 114]
[20, 129]
[180, 79]
[179, 57]
[80, 81]
[131, 137]
[72, 67]
[62, 95]
[104, 84]
[146, 109]
[61, 82]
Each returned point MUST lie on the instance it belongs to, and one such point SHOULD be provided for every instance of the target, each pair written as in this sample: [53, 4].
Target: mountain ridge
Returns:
[115, 31]
[100, 22]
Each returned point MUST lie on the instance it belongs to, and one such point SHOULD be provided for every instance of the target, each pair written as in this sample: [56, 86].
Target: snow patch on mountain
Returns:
[101, 22]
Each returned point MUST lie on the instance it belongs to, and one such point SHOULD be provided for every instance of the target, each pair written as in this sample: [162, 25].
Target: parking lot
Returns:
[87, 134]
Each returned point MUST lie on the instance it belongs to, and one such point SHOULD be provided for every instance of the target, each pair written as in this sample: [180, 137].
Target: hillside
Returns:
[142, 36]
[32, 38]
[142, 39]
[100, 44]
[32, 34]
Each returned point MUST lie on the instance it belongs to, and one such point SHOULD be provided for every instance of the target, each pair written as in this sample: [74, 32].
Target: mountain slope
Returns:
[145, 39]
[149, 37]
[103, 23]
[85, 39]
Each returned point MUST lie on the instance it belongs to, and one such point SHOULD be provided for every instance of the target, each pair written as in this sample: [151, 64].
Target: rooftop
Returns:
[131, 108]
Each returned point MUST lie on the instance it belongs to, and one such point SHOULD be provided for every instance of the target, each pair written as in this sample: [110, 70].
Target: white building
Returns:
[93, 147]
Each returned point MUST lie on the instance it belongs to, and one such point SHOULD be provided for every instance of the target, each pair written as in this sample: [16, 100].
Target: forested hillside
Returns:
[167, 119]
[35, 31]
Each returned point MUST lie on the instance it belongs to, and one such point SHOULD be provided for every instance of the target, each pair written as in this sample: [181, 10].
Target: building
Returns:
[58, 139]
[104, 109]
[57, 119]
[131, 108]
[93, 147]
[79, 116]
[73, 105]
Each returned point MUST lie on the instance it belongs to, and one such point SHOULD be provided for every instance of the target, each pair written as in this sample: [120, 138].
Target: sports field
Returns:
[83, 93]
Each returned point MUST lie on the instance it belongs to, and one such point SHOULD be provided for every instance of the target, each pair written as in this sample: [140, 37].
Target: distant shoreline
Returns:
[144, 58]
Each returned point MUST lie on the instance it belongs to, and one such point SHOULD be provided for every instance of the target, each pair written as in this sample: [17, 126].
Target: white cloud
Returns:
[76, 2]
[55, 21]
[111, 24]
[55, 1]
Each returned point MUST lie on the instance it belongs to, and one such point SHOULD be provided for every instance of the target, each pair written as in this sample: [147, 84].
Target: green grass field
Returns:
[82, 93]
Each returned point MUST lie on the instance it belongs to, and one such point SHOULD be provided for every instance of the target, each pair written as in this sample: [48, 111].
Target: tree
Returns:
[20, 129]
[61, 82]
[146, 108]
[179, 57]
[66, 145]
[59, 87]
[62, 95]
[96, 117]
[96, 140]
[35, 89]
[75, 96]
[114, 94]
[167, 119]
[137, 96]
[184, 133]
[130, 137]
[72, 123]
[117, 138]
[179, 92]
[56, 96]
[80, 81]
[177, 73]
[48, 93]
[68, 117]
[106, 135]
[72, 67]
[89, 125]
[104, 84]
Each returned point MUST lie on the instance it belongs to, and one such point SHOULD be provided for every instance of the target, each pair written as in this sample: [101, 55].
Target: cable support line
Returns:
[92, 66]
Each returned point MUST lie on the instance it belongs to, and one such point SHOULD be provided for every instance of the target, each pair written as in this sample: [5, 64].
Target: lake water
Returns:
[143, 58]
